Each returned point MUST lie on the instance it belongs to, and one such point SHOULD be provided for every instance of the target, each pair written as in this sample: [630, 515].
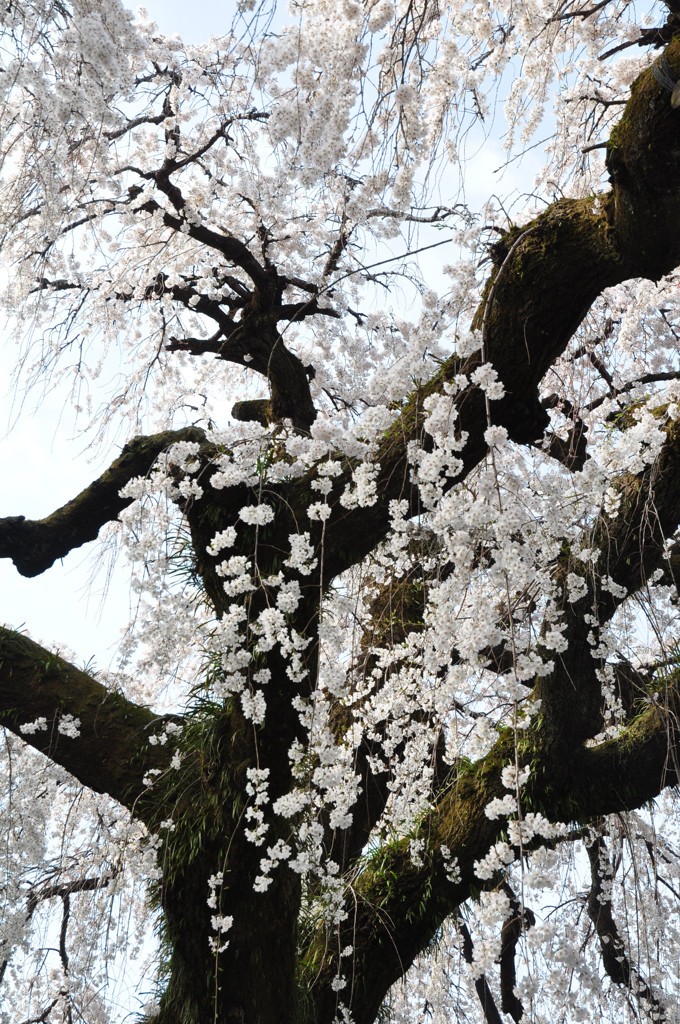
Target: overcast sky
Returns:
[194, 20]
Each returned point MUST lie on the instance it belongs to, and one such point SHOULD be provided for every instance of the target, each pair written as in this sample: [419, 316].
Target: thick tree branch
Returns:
[35, 544]
[112, 753]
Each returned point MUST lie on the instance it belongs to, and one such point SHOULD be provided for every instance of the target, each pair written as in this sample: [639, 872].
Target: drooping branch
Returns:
[396, 611]
[612, 946]
[396, 616]
[484, 994]
[35, 544]
[519, 921]
[112, 754]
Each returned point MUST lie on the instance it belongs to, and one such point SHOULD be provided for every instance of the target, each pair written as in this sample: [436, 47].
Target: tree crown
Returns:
[399, 493]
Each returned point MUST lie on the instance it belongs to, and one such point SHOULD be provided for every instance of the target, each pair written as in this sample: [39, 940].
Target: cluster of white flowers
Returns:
[228, 643]
[496, 436]
[416, 848]
[363, 492]
[468, 343]
[237, 569]
[276, 853]
[257, 515]
[181, 457]
[221, 924]
[577, 587]
[501, 807]
[319, 510]
[442, 413]
[486, 378]
[514, 779]
[257, 789]
[301, 556]
[253, 705]
[37, 725]
[450, 865]
[223, 539]
[533, 824]
[434, 470]
[69, 726]
[288, 597]
[169, 730]
[499, 857]
[214, 882]
[612, 502]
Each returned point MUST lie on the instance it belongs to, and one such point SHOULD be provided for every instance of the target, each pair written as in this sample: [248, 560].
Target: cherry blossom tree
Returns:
[392, 731]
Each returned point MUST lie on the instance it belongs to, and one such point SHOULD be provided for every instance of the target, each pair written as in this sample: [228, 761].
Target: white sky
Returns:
[194, 20]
